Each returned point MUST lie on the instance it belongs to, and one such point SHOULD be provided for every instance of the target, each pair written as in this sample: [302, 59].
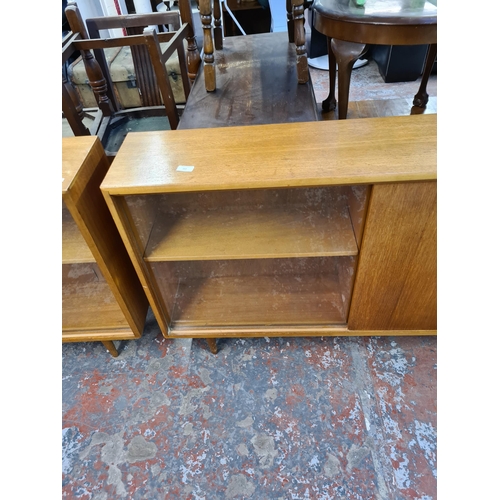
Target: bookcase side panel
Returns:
[396, 281]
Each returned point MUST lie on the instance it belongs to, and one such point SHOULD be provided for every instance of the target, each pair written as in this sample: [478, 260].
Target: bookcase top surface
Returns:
[74, 152]
[358, 151]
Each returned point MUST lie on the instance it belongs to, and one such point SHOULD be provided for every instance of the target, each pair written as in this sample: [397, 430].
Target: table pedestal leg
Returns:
[345, 54]
[422, 97]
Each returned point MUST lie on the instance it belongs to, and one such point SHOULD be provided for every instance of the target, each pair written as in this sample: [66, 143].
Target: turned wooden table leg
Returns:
[208, 45]
[212, 344]
[300, 40]
[108, 344]
[193, 57]
[422, 97]
[330, 102]
[346, 54]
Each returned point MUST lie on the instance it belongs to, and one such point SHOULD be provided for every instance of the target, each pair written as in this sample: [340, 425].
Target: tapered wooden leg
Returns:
[108, 344]
[346, 54]
[300, 40]
[422, 97]
[330, 102]
[212, 344]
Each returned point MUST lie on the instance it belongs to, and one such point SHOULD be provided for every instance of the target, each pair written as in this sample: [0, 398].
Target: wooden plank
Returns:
[396, 281]
[290, 331]
[364, 151]
[261, 231]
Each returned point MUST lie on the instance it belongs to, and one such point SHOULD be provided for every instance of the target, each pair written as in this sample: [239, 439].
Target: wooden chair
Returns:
[72, 107]
[149, 58]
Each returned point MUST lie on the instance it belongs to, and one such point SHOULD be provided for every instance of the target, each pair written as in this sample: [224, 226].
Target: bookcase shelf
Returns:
[286, 223]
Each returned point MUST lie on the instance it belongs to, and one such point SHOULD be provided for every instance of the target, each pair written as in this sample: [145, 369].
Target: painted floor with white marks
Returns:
[270, 418]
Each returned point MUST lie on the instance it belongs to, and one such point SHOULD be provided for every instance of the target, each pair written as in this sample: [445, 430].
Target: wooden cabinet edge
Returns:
[125, 287]
[292, 332]
[141, 268]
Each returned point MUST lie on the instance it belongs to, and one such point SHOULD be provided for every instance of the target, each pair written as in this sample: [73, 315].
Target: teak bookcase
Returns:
[102, 297]
[319, 228]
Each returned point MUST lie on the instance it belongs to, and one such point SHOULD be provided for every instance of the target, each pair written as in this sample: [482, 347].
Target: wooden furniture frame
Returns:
[319, 228]
[102, 298]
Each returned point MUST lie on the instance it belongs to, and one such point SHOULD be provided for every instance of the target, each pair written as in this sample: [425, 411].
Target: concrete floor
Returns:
[271, 418]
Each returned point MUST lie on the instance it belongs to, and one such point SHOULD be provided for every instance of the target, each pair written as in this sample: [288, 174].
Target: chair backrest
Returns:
[152, 78]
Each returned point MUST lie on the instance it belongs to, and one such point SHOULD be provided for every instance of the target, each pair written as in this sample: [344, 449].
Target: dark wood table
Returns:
[256, 84]
[350, 29]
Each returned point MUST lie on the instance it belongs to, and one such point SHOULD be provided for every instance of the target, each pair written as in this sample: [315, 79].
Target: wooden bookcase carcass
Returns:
[318, 228]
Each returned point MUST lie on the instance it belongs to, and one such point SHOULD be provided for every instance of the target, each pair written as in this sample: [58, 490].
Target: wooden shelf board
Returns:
[258, 300]
[323, 153]
[243, 233]
[74, 248]
[97, 335]
[90, 306]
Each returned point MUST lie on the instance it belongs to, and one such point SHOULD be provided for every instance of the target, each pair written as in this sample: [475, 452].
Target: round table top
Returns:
[392, 12]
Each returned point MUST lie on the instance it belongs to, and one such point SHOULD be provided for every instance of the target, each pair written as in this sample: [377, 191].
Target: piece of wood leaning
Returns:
[272, 243]
[102, 298]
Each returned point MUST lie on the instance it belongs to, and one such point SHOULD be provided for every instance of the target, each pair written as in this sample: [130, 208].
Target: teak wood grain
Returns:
[253, 292]
[396, 282]
[277, 223]
[378, 165]
[74, 248]
[398, 148]
[103, 302]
